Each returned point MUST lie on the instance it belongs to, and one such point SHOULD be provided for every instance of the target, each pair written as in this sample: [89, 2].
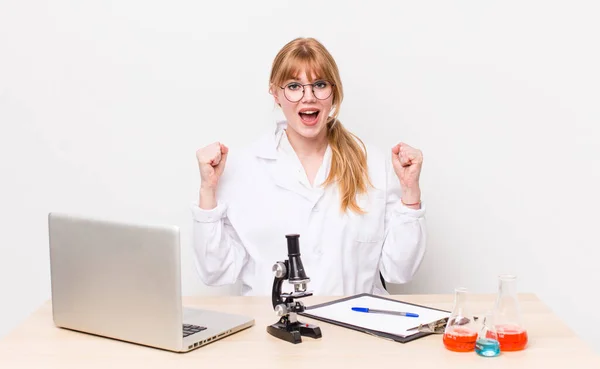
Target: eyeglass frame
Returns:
[304, 90]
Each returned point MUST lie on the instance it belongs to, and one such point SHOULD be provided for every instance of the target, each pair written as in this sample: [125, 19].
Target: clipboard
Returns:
[338, 312]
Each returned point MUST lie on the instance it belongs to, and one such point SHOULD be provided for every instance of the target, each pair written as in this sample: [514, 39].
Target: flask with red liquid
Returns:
[461, 331]
[512, 336]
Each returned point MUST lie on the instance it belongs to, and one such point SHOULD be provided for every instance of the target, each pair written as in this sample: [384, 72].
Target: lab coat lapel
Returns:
[283, 176]
[277, 168]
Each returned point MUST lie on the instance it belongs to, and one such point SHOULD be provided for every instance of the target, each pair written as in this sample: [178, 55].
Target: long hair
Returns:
[349, 154]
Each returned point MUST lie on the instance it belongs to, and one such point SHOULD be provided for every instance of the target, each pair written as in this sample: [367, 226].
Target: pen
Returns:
[368, 310]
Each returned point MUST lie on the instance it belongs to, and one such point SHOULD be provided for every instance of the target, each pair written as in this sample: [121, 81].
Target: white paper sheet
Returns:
[393, 324]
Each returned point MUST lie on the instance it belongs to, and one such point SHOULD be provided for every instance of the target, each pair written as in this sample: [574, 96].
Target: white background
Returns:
[103, 105]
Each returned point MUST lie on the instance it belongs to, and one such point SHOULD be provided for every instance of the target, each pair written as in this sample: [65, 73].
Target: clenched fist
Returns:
[407, 163]
[211, 161]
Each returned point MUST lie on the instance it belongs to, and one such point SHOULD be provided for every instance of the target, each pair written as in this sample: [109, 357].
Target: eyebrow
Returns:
[297, 80]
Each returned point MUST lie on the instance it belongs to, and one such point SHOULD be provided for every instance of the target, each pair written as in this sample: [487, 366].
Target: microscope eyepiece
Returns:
[293, 244]
[296, 272]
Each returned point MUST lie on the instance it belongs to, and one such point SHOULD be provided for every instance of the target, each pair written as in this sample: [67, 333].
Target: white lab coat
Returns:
[263, 195]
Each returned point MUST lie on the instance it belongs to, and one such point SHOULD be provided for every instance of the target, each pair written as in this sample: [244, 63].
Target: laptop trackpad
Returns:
[195, 316]
[206, 318]
[213, 319]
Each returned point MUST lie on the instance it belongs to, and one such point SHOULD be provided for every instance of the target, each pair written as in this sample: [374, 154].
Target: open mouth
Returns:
[309, 116]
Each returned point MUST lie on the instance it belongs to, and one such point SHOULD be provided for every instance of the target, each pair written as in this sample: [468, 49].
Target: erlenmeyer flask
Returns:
[461, 330]
[487, 340]
[511, 333]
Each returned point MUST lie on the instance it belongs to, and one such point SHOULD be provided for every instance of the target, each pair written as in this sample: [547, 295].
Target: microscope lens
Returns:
[293, 244]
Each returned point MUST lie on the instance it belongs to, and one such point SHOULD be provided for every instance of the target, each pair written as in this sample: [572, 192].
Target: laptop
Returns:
[123, 281]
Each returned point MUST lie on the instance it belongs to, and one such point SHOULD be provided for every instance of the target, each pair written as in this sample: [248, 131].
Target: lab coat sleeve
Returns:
[219, 253]
[405, 234]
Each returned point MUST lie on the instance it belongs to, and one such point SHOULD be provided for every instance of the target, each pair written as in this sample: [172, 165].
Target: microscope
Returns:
[288, 328]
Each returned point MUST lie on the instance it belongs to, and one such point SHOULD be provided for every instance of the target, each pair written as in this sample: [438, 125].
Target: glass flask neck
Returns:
[507, 305]
[460, 302]
[460, 296]
[507, 286]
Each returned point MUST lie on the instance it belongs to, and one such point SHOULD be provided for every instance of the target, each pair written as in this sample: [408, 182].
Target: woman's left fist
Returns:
[407, 163]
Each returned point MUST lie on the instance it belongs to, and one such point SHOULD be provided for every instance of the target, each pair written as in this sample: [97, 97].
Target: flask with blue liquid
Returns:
[487, 344]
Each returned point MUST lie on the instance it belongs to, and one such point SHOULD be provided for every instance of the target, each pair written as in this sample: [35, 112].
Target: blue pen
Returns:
[368, 310]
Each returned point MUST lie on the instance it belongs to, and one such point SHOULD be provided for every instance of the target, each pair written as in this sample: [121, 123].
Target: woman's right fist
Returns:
[211, 161]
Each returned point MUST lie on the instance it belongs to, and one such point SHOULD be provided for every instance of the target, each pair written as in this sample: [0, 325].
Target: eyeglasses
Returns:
[294, 91]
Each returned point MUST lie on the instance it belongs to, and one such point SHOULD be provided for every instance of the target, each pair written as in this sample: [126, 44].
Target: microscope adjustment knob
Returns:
[281, 310]
[279, 269]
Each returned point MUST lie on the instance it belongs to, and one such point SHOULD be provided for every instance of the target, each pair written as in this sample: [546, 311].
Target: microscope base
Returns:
[293, 332]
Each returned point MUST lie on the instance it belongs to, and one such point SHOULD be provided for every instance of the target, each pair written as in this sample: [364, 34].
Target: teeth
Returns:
[309, 112]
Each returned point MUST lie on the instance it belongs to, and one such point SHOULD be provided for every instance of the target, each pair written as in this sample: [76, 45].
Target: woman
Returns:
[358, 211]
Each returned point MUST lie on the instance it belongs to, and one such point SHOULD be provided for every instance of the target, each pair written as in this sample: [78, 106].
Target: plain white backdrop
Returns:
[103, 105]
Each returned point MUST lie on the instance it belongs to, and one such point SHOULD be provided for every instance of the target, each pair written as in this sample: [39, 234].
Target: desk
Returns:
[36, 343]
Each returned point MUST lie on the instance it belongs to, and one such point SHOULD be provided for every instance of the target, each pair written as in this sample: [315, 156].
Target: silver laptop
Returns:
[123, 281]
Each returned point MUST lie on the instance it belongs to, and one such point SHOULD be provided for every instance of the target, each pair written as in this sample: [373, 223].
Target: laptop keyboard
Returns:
[189, 329]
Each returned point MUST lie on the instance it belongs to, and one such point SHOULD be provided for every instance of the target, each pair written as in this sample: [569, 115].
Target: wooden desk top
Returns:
[38, 344]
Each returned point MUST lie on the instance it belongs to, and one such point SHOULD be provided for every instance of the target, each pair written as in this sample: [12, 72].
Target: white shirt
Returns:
[264, 194]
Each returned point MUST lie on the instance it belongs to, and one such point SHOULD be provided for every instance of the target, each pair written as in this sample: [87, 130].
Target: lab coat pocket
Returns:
[366, 255]
[370, 225]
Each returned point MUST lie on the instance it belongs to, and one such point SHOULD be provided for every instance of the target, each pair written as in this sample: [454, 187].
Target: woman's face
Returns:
[308, 116]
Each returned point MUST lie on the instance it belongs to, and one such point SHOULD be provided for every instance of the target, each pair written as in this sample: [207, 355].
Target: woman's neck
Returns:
[307, 147]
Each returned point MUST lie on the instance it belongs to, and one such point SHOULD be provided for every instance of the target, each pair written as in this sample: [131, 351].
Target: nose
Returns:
[309, 96]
